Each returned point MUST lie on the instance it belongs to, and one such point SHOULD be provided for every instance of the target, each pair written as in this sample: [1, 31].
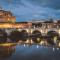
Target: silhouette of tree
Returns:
[3, 36]
[15, 36]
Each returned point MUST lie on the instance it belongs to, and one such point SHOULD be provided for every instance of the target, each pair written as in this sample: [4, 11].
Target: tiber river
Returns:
[29, 52]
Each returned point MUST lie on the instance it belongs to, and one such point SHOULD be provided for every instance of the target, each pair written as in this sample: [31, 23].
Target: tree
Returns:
[15, 36]
[3, 36]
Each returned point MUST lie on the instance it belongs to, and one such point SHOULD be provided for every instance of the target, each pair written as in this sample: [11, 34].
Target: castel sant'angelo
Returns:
[7, 20]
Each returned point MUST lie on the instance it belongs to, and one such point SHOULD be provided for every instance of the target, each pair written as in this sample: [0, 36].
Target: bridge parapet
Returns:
[43, 31]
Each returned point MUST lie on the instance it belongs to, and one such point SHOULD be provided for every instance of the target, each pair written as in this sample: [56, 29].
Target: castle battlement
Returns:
[6, 16]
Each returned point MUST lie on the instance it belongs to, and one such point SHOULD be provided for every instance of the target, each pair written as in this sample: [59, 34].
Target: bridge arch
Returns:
[36, 33]
[52, 33]
[36, 36]
[24, 33]
[36, 39]
[53, 36]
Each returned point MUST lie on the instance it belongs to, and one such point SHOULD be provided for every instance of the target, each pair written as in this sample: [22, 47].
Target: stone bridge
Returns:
[30, 31]
[43, 31]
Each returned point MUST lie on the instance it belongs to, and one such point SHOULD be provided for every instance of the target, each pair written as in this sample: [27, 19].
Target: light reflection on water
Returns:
[27, 52]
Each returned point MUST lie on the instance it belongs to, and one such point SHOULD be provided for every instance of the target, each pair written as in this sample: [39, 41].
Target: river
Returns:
[29, 52]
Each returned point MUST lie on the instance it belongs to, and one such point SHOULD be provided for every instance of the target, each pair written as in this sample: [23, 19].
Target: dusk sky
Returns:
[26, 10]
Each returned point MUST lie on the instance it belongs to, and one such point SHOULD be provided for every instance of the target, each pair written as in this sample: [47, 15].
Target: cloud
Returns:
[26, 10]
[47, 3]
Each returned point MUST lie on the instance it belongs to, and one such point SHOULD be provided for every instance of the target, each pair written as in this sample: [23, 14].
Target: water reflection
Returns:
[32, 48]
[29, 52]
[40, 41]
[6, 51]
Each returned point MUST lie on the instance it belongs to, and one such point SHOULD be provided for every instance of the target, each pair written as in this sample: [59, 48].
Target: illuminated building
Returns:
[6, 16]
[7, 20]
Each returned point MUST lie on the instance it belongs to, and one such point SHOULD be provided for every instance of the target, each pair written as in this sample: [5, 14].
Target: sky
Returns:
[27, 10]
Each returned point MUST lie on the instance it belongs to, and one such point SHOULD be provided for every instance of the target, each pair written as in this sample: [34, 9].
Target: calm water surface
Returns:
[29, 52]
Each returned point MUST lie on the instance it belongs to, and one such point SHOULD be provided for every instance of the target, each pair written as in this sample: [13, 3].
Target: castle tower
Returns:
[6, 16]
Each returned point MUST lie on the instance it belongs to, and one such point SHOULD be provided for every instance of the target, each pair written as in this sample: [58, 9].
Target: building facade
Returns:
[6, 16]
